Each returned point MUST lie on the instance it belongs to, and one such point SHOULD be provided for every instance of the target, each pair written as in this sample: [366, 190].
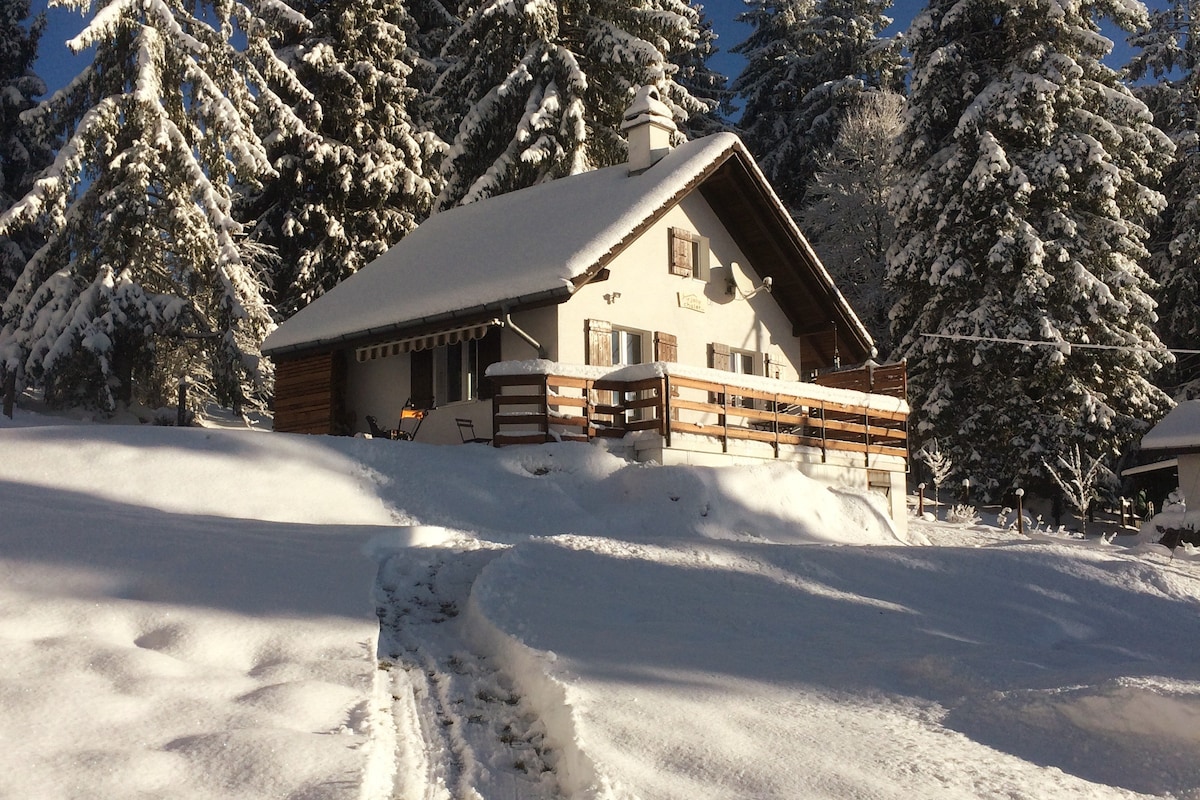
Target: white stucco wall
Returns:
[1189, 485]
[381, 386]
[642, 294]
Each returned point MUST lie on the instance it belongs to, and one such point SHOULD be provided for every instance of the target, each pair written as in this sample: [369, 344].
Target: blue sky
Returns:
[57, 65]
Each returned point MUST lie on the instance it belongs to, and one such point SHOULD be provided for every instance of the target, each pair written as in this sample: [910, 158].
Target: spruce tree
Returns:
[1170, 56]
[23, 151]
[535, 91]
[358, 175]
[144, 277]
[1021, 229]
[704, 83]
[807, 61]
[847, 220]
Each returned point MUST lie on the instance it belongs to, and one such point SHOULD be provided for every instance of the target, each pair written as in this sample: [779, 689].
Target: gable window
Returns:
[688, 254]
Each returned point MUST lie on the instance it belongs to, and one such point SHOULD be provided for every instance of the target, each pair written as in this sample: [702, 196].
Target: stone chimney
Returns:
[648, 128]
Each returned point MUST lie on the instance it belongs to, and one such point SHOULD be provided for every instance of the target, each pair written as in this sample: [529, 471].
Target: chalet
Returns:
[670, 304]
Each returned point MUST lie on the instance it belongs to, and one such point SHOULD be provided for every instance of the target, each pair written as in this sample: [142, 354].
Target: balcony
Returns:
[857, 418]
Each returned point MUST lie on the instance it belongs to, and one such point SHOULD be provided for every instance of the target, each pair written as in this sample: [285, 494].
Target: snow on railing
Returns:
[542, 401]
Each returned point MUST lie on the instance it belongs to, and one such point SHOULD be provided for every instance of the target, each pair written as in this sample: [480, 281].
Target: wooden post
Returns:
[725, 419]
[546, 408]
[775, 425]
[920, 500]
[1020, 512]
[499, 390]
[665, 409]
[824, 445]
[10, 392]
[181, 410]
[867, 439]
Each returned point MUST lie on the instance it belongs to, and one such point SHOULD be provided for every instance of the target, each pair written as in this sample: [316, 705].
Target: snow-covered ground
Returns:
[212, 613]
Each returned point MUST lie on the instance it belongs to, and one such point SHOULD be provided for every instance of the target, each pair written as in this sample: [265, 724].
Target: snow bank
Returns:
[168, 630]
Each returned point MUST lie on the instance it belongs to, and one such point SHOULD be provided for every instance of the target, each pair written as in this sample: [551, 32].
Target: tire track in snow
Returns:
[462, 732]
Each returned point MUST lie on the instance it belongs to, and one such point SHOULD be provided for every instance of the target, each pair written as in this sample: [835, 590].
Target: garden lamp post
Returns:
[1020, 512]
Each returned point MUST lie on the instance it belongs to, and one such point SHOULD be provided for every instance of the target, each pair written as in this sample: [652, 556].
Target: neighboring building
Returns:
[682, 255]
[1176, 438]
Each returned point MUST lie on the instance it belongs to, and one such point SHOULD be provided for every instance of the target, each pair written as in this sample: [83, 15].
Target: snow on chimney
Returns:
[648, 128]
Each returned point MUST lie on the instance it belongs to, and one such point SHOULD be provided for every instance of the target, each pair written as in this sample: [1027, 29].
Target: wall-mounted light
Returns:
[611, 297]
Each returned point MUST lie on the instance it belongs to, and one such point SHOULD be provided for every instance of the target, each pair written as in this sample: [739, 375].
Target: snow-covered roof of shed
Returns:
[1178, 430]
[503, 251]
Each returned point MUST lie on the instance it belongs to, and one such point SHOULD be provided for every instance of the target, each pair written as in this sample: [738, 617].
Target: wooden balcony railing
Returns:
[534, 408]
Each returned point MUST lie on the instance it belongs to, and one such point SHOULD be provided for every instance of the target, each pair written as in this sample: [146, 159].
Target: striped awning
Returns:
[424, 342]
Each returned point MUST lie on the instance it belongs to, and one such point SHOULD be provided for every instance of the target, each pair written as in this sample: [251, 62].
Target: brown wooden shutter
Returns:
[488, 353]
[718, 356]
[702, 269]
[666, 347]
[599, 343]
[420, 379]
[681, 252]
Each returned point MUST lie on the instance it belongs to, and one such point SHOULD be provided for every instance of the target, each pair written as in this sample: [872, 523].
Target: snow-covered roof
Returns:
[1178, 430]
[505, 250]
[526, 248]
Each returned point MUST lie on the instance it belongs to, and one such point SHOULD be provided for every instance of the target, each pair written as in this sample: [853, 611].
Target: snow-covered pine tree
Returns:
[24, 152]
[536, 90]
[704, 83]
[432, 23]
[1169, 53]
[1023, 218]
[848, 220]
[358, 175]
[807, 61]
[144, 277]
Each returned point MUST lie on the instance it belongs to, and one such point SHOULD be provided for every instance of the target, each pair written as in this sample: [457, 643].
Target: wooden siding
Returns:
[891, 380]
[308, 394]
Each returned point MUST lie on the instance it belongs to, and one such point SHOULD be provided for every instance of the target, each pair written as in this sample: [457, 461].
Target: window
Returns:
[453, 373]
[626, 347]
[742, 363]
[609, 346]
[456, 373]
[726, 359]
[688, 254]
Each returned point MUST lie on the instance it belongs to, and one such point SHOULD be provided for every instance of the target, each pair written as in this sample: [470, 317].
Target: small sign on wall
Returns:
[695, 302]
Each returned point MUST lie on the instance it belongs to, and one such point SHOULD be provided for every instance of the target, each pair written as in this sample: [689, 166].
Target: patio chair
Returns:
[406, 429]
[466, 430]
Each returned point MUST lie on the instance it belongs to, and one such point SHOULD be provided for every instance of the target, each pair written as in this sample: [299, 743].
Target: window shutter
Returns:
[666, 347]
[681, 252]
[420, 379]
[599, 344]
[702, 265]
[718, 356]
